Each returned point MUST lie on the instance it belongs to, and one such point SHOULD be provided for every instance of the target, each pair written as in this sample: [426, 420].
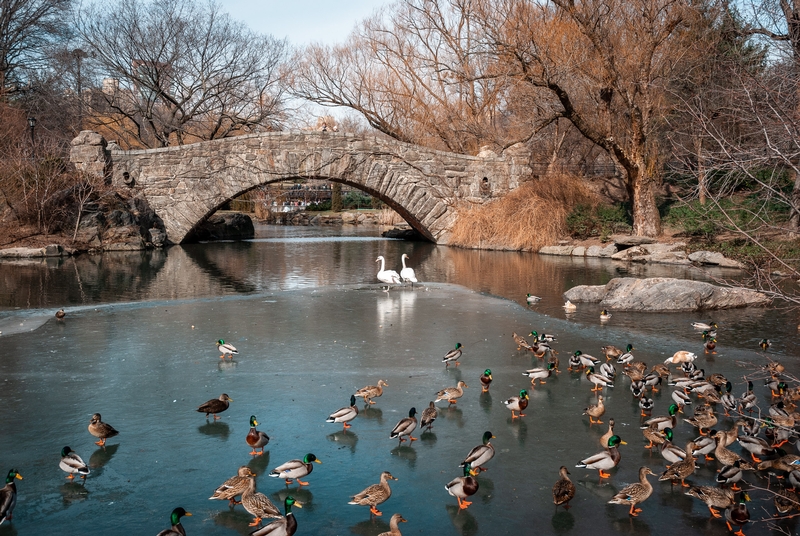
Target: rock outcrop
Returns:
[665, 294]
[224, 226]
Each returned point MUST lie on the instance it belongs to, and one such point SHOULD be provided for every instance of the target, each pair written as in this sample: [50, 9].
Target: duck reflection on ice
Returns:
[102, 456]
[519, 429]
[453, 414]
[301, 494]
[345, 439]
[72, 492]
[259, 464]
[406, 453]
[630, 525]
[227, 364]
[234, 519]
[485, 400]
[464, 522]
[486, 489]
[215, 429]
[427, 438]
[371, 527]
[563, 521]
[372, 413]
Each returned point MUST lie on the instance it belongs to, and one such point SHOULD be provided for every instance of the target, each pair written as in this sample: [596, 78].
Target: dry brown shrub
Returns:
[532, 216]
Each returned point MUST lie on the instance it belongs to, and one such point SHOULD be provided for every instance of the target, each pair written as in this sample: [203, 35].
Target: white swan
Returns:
[390, 277]
[407, 273]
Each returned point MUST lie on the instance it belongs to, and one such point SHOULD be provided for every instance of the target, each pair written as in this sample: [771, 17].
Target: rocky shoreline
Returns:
[643, 250]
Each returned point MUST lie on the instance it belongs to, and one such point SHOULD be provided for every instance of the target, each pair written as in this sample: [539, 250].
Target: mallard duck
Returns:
[786, 463]
[429, 415]
[586, 359]
[748, 400]
[652, 380]
[635, 370]
[543, 337]
[8, 496]
[785, 501]
[612, 352]
[258, 505]
[375, 494]
[521, 342]
[794, 478]
[60, 314]
[749, 426]
[713, 397]
[729, 401]
[517, 403]
[486, 380]
[563, 489]
[637, 388]
[295, 469]
[710, 345]
[479, 455]
[463, 487]
[665, 421]
[372, 391]
[390, 277]
[713, 497]
[285, 526]
[702, 388]
[705, 445]
[776, 386]
[553, 360]
[346, 414]
[681, 469]
[717, 379]
[757, 447]
[646, 405]
[669, 450]
[598, 380]
[625, 357]
[234, 486]
[570, 307]
[226, 349]
[257, 439]
[541, 349]
[607, 369]
[703, 419]
[405, 427]
[530, 298]
[175, 519]
[605, 316]
[605, 437]
[407, 273]
[681, 356]
[452, 394]
[452, 355]
[100, 429]
[688, 369]
[654, 436]
[738, 515]
[394, 529]
[728, 457]
[596, 411]
[702, 326]
[730, 474]
[215, 405]
[539, 374]
[765, 344]
[709, 334]
[681, 398]
[635, 493]
[72, 464]
[574, 363]
[607, 459]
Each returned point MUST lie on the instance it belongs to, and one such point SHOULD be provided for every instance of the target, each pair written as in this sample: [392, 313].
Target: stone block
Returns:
[627, 254]
[594, 251]
[578, 251]
[556, 250]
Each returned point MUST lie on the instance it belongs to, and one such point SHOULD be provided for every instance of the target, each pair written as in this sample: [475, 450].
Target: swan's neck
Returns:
[382, 265]
[404, 262]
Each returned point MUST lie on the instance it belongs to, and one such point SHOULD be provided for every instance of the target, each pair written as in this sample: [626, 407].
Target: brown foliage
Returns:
[532, 216]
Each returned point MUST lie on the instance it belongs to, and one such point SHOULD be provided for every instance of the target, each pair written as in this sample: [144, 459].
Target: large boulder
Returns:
[225, 226]
[665, 294]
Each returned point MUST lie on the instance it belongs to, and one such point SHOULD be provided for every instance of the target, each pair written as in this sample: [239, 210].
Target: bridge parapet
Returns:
[186, 184]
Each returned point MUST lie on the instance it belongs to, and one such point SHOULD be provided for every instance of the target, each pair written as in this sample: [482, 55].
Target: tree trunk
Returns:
[641, 190]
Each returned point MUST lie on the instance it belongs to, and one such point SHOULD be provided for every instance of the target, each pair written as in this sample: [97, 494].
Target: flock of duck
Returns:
[710, 396]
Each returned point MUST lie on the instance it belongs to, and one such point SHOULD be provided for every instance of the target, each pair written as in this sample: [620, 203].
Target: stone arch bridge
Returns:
[186, 184]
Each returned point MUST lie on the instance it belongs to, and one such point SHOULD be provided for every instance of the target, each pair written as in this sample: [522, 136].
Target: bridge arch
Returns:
[186, 184]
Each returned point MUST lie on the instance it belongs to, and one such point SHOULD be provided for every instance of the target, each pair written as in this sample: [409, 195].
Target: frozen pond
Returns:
[137, 346]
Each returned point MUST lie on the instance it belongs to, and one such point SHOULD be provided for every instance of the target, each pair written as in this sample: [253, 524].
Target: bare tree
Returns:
[27, 29]
[177, 71]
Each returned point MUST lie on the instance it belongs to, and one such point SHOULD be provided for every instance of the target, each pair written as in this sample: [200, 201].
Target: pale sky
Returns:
[302, 21]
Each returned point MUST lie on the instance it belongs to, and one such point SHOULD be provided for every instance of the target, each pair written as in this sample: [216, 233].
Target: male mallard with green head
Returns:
[517, 403]
[255, 438]
[405, 427]
[175, 519]
[463, 487]
[480, 455]
[346, 414]
[607, 459]
[295, 469]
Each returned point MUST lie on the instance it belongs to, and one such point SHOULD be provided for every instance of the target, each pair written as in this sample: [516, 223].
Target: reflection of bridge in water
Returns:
[188, 183]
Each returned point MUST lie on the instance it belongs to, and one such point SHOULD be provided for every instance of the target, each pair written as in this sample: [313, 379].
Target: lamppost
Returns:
[32, 125]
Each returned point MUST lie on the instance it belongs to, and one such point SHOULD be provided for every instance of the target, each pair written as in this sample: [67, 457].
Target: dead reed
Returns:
[532, 216]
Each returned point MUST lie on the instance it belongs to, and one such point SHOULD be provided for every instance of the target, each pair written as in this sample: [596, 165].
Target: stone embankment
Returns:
[644, 250]
[664, 294]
